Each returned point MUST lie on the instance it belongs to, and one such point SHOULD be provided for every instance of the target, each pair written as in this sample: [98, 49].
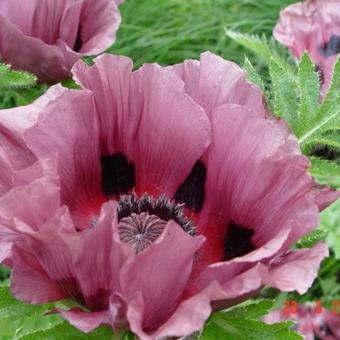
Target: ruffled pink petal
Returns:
[307, 26]
[85, 321]
[33, 204]
[270, 194]
[47, 20]
[324, 196]
[153, 274]
[48, 62]
[214, 81]
[96, 249]
[297, 270]
[67, 126]
[100, 20]
[29, 282]
[191, 314]
[132, 107]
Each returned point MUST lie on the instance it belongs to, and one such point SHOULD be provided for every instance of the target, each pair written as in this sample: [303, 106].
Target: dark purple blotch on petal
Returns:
[117, 175]
[332, 47]
[192, 190]
[237, 241]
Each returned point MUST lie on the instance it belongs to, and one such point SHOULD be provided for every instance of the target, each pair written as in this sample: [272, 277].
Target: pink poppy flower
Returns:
[178, 194]
[47, 37]
[310, 322]
[312, 26]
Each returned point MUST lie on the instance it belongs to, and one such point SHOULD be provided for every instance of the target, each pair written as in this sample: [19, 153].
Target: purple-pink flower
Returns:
[47, 37]
[312, 26]
[311, 322]
[153, 197]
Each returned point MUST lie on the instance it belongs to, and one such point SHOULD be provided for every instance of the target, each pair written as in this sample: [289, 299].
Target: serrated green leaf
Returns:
[311, 239]
[19, 320]
[243, 323]
[330, 218]
[10, 79]
[309, 89]
[331, 140]
[284, 90]
[252, 74]
[326, 116]
[325, 172]
[261, 46]
[251, 309]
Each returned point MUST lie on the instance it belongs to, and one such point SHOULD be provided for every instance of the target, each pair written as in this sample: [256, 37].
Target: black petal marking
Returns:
[237, 242]
[192, 190]
[79, 42]
[332, 47]
[325, 330]
[118, 174]
[161, 207]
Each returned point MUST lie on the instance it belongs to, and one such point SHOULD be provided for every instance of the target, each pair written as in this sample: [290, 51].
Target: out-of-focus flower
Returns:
[310, 322]
[312, 26]
[47, 37]
[178, 194]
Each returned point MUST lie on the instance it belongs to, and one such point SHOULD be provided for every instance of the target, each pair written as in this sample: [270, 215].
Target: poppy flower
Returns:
[47, 37]
[311, 322]
[176, 193]
[312, 26]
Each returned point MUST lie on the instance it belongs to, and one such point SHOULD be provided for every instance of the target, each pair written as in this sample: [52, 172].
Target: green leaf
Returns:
[309, 89]
[252, 74]
[325, 172]
[243, 323]
[261, 46]
[327, 115]
[10, 79]
[311, 239]
[19, 320]
[330, 218]
[331, 140]
[284, 90]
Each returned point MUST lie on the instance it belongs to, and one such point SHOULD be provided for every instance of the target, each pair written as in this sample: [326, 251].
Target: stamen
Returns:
[162, 207]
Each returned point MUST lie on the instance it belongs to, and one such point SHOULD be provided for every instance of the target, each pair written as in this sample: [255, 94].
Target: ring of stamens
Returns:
[142, 220]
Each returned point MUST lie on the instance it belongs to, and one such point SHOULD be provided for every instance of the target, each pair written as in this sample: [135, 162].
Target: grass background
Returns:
[168, 31]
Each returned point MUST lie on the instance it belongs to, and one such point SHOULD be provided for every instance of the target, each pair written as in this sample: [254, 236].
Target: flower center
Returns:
[140, 230]
[142, 220]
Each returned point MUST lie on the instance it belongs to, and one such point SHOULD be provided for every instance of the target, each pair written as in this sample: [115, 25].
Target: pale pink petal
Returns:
[31, 54]
[307, 26]
[100, 20]
[47, 20]
[67, 127]
[95, 249]
[30, 283]
[214, 81]
[85, 321]
[297, 270]
[270, 194]
[152, 274]
[33, 204]
[133, 107]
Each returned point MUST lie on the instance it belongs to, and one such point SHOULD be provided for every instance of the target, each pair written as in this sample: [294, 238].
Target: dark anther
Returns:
[192, 191]
[321, 74]
[325, 330]
[79, 42]
[325, 152]
[162, 207]
[332, 47]
[118, 174]
[237, 241]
